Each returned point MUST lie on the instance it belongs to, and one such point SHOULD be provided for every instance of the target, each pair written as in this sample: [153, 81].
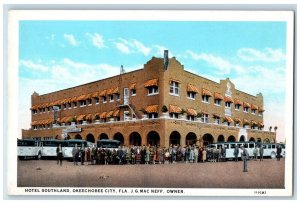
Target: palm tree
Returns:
[270, 128]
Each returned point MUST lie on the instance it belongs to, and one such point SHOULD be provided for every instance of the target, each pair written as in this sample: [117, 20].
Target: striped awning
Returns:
[84, 97]
[109, 114]
[192, 88]
[260, 109]
[246, 105]
[253, 122]
[238, 120]
[81, 117]
[228, 119]
[228, 99]
[191, 111]
[174, 80]
[217, 115]
[34, 123]
[34, 107]
[74, 99]
[206, 92]
[95, 94]
[218, 96]
[89, 116]
[116, 113]
[174, 109]
[103, 115]
[132, 86]
[103, 93]
[48, 121]
[152, 109]
[238, 102]
[246, 122]
[151, 82]
[112, 91]
[253, 107]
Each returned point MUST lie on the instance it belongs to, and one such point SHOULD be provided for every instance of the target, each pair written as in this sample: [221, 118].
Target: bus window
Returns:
[232, 146]
[273, 146]
[251, 145]
[246, 145]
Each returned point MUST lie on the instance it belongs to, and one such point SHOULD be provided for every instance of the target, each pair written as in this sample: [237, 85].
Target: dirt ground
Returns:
[46, 173]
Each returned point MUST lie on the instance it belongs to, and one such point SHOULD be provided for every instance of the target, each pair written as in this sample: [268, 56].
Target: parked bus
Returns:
[28, 148]
[269, 148]
[68, 146]
[49, 147]
[108, 144]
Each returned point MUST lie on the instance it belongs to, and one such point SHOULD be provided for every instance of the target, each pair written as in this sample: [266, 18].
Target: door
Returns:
[126, 96]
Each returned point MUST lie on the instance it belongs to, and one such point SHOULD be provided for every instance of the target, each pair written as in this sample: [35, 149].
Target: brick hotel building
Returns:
[160, 104]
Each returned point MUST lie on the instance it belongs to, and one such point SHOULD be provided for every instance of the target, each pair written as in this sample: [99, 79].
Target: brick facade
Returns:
[170, 87]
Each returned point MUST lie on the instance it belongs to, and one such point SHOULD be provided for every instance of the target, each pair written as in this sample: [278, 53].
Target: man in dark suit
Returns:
[236, 153]
[278, 152]
[261, 153]
[59, 154]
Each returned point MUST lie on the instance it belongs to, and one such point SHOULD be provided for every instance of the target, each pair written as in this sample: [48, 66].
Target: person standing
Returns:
[147, 155]
[278, 152]
[261, 153]
[196, 152]
[204, 155]
[59, 154]
[245, 157]
[82, 151]
[236, 153]
[192, 155]
[255, 153]
[75, 154]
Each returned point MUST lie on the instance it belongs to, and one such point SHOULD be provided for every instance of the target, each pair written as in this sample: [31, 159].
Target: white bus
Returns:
[108, 144]
[28, 148]
[49, 147]
[269, 148]
[68, 146]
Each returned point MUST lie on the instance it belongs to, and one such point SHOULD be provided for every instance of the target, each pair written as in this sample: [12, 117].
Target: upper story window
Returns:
[132, 89]
[253, 112]
[204, 118]
[218, 102]
[191, 95]
[133, 92]
[34, 111]
[205, 95]
[246, 109]
[227, 104]
[153, 90]
[104, 100]
[152, 86]
[253, 109]
[174, 115]
[82, 103]
[64, 106]
[217, 119]
[237, 107]
[192, 91]
[152, 115]
[117, 96]
[75, 104]
[174, 88]
[260, 111]
[89, 102]
[97, 100]
[205, 99]
[111, 98]
[218, 98]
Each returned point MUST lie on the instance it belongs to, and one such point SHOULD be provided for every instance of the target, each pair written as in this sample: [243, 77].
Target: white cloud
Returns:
[71, 39]
[33, 66]
[96, 39]
[132, 46]
[267, 55]
[122, 47]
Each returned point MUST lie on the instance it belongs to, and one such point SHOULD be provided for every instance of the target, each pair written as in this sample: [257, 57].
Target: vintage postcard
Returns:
[150, 103]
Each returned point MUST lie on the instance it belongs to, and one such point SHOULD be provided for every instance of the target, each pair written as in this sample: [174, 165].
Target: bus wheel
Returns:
[21, 158]
[39, 156]
[273, 155]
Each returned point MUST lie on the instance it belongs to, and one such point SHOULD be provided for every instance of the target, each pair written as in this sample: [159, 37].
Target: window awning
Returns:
[151, 82]
[132, 86]
[228, 99]
[228, 119]
[89, 116]
[238, 102]
[103, 115]
[253, 122]
[81, 117]
[246, 105]
[116, 113]
[34, 123]
[238, 120]
[206, 113]
[49, 121]
[192, 88]
[253, 107]
[96, 114]
[174, 80]
[74, 99]
[191, 112]
[152, 109]
[112, 91]
[218, 96]
[95, 94]
[217, 115]
[34, 107]
[81, 98]
[174, 109]
[103, 93]
[206, 92]
[260, 109]
[110, 114]
[246, 122]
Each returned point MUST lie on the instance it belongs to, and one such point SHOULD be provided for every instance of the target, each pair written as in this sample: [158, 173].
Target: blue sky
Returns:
[59, 54]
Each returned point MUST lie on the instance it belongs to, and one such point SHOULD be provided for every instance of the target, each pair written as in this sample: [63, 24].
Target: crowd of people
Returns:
[147, 155]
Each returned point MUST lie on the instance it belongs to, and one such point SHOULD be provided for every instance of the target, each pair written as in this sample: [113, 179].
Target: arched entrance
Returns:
[221, 138]
[68, 137]
[90, 138]
[242, 138]
[259, 139]
[119, 136]
[78, 136]
[153, 138]
[174, 138]
[191, 139]
[266, 140]
[231, 138]
[207, 139]
[103, 136]
[252, 139]
[135, 139]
